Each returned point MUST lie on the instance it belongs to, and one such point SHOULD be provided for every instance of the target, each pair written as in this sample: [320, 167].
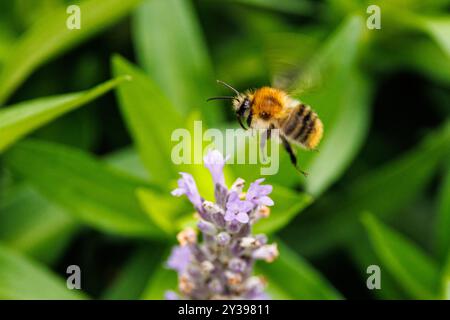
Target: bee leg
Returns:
[240, 122]
[269, 133]
[292, 155]
[249, 119]
[262, 143]
[266, 135]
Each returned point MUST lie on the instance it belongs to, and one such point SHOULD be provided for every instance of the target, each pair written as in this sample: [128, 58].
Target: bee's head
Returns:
[241, 101]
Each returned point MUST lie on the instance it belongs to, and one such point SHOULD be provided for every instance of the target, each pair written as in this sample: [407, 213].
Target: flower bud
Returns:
[185, 284]
[207, 227]
[248, 243]
[255, 284]
[261, 239]
[170, 295]
[206, 267]
[238, 185]
[223, 239]
[233, 279]
[262, 212]
[234, 226]
[215, 286]
[211, 207]
[268, 252]
[187, 236]
[237, 265]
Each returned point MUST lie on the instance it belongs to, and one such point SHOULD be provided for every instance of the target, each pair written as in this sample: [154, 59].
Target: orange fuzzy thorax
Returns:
[268, 102]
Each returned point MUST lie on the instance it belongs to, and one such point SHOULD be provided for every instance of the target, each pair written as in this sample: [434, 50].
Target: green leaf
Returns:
[416, 272]
[287, 205]
[350, 125]
[407, 53]
[383, 191]
[443, 219]
[128, 160]
[18, 120]
[49, 37]
[166, 33]
[98, 195]
[161, 281]
[32, 225]
[151, 120]
[133, 277]
[21, 278]
[288, 6]
[162, 210]
[291, 277]
[439, 30]
[446, 280]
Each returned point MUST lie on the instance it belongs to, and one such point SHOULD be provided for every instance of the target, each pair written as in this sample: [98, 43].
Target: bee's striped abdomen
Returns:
[303, 126]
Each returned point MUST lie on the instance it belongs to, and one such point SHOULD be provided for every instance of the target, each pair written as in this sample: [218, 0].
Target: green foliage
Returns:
[291, 277]
[416, 272]
[94, 193]
[287, 205]
[24, 279]
[287, 6]
[383, 192]
[157, 285]
[443, 219]
[150, 118]
[49, 37]
[33, 225]
[187, 79]
[132, 281]
[82, 176]
[18, 120]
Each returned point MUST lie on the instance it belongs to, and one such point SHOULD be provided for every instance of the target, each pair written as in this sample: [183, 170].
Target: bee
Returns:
[269, 108]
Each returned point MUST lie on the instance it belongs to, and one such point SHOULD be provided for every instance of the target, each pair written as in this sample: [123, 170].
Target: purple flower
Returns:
[187, 186]
[215, 162]
[237, 209]
[220, 264]
[223, 238]
[179, 259]
[257, 296]
[257, 193]
[170, 295]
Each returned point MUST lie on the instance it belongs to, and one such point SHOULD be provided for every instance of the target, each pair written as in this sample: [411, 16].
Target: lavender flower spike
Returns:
[220, 265]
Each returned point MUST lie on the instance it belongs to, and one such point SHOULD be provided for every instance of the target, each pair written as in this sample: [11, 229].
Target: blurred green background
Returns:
[85, 169]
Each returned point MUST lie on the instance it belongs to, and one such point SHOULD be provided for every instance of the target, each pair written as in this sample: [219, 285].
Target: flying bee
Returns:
[269, 108]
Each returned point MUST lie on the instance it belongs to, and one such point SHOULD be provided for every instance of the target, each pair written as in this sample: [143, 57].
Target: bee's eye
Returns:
[244, 106]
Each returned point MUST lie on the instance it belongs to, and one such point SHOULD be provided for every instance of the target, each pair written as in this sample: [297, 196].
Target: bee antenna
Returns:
[220, 98]
[228, 86]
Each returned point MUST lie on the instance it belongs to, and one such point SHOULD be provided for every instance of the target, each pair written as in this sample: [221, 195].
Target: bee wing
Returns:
[290, 59]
